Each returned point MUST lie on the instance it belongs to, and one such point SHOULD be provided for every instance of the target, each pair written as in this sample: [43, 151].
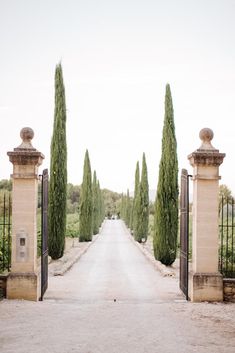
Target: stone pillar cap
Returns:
[206, 154]
[25, 153]
[206, 135]
[27, 134]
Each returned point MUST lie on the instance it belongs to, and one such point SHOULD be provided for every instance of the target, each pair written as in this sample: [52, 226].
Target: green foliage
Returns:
[73, 196]
[151, 208]
[5, 229]
[112, 202]
[4, 204]
[58, 172]
[142, 206]
[134, 208]
[166, 204]
[96, 205]
[144, 190]
[72, 226]
[6, 184]
[128, 209]
[101, 204]
[86, 203]
[225, 195]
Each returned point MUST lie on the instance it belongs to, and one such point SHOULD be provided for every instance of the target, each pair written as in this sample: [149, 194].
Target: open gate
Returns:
[184, 225]
[44, 234]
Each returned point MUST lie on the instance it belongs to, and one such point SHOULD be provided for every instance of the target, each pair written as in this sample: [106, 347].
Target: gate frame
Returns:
[44, 233]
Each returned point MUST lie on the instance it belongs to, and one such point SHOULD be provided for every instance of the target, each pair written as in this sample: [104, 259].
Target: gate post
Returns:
[206, 283]
[23, 281]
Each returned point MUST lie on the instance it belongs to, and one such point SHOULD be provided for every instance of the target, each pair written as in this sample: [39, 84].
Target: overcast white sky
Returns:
[117, 56]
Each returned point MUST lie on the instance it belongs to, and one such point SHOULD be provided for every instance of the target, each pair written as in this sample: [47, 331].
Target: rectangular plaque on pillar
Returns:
[22, 246]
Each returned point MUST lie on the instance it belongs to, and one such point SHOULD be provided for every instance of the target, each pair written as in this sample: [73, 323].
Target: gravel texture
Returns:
[113, 300]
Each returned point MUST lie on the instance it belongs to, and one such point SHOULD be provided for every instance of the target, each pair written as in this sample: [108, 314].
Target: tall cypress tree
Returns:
[142, 206]
[137, 184]
[166, 204]
[86, 203]
[58, 172]
[96, 206]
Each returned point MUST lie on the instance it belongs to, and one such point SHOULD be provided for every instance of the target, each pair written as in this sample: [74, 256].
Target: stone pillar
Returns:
[206, 283]
[23, 281]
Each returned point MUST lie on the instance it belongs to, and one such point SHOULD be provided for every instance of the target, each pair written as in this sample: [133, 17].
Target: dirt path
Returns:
[114, 301]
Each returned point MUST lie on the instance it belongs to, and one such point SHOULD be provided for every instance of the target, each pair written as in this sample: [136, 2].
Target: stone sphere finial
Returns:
[27, 135]
[206, 135]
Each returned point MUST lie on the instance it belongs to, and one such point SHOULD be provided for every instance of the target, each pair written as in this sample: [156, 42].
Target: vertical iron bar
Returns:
[222, 236]
[3, 234]
[227, 237]
[9, 234]
[232, 236]
[187, 235]
[41, 299]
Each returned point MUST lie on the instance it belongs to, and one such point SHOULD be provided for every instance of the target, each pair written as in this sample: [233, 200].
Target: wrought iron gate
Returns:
[5, 232]
[44, 234]
[184, 225]
[227, 237]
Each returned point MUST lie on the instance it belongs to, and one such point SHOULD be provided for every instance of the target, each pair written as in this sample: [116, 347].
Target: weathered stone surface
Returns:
[23, 286]
[206, 287]
[229, 290]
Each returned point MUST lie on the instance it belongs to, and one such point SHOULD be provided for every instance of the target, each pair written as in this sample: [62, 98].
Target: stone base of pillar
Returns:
[23, 286]
[206, 287]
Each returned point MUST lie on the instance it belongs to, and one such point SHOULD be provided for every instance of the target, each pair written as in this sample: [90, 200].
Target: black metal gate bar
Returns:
[5, 234]
[9, 234]
[44, 234]
[184, 225]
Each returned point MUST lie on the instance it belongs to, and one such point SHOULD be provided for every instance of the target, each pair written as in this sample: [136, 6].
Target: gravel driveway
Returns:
[113, 300]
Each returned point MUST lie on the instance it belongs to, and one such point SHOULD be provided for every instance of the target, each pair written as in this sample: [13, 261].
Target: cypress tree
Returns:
[58, 172]
[166, 204]
[144, 191]
[134, 209]
[142, 205]
[128, 209]
[96, 206]
[86, 203]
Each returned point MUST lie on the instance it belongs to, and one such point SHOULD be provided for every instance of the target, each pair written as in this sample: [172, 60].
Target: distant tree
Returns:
[128, 209]
[151, 208]
[6, 184]
[134, 208]
[225, 195]
[122, 207]
[101, 209]
[86, 203]
[58, 172]
[96, 205]
[166, 204]
[73, 196]
[111, 201]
